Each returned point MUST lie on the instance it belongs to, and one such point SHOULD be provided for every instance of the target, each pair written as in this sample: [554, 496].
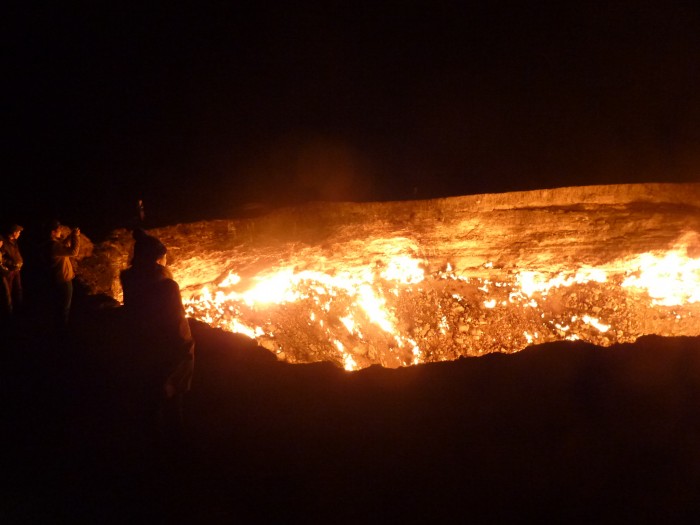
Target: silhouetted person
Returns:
[5, 301]
[140, 213]
[160, 333]
[61, 272]
[13, 260]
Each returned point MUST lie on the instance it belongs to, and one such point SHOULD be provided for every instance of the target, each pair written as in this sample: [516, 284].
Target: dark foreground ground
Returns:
[562, 431]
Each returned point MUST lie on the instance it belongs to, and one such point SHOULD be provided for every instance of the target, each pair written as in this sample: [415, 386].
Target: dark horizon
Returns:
[201, 111]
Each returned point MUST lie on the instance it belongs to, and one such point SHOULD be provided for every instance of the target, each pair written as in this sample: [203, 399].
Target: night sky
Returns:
[203, 110]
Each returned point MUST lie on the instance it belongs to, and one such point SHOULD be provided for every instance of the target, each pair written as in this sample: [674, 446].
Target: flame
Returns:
[394, 313]
[404, 269]
[230, 280]
[347, 296]
[670, 278]
[595, 323]
[531, 282]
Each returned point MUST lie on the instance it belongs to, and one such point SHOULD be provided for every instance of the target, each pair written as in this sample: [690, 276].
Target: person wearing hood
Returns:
[159, 331]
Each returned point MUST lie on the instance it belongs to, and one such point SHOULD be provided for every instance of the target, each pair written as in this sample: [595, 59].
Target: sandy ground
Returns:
[565, 431]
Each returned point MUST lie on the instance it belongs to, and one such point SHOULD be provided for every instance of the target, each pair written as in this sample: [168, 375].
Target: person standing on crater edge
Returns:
[5, 301]
[140, 213]
[160, 336]
[12, 259]
[61, 272]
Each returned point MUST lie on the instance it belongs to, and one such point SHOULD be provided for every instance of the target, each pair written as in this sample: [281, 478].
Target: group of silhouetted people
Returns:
[156, 330]
[56, 265]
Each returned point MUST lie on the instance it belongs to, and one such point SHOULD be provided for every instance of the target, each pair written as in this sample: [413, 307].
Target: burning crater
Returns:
[402, 283]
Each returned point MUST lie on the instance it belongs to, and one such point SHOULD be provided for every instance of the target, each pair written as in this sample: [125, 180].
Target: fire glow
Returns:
[397, 311]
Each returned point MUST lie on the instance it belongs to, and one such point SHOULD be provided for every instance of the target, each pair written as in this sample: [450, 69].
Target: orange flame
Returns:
[670, 278]
[367, 313]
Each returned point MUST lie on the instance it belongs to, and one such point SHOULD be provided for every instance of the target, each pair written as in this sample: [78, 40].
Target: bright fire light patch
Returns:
[394, 312]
